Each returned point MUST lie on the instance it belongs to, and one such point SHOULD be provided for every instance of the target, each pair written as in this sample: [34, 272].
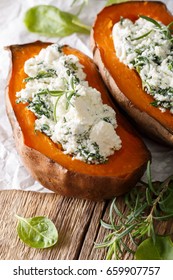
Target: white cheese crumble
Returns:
[68, 110]
[147, 46]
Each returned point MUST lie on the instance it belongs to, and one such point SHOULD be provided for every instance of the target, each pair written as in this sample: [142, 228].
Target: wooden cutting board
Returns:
[77, 221]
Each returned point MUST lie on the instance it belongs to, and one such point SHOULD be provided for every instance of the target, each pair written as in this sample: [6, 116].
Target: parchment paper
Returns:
[13, 175]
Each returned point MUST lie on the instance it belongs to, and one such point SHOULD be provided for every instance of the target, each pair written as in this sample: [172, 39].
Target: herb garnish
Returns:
[39, 106]
[42, 74]
[83, 151]
[146, 204]
[37, 232]
[151, 20]
[69, 92]
[152, 60]
[121, 20]
[142, 36]
[165, 30]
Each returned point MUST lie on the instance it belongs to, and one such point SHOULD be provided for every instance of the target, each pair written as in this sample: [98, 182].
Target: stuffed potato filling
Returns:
[147, 47]
[68, 110]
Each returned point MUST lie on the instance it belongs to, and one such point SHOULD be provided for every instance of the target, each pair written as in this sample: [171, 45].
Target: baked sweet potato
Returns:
[124, 83]
[46, 161]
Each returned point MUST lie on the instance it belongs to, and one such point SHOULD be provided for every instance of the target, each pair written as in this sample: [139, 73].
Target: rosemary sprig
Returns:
[166, 30]
[69, 92]
[142, 36]
[151, 20]
[144, 205]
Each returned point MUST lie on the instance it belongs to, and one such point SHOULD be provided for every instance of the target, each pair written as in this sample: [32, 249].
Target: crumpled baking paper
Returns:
[13, 175]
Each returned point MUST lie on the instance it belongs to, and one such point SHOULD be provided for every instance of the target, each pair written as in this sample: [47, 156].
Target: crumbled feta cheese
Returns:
[102, 133]
[147, 47]
[68, 110]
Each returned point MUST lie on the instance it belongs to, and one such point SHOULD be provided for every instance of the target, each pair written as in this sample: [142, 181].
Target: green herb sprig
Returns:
[68, 93]
[166, 30]
[142, 36]
[151, 20]
[42, 74]
[145, 204]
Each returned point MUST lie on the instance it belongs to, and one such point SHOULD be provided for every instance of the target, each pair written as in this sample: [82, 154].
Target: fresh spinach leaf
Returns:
[161, 250]
[51, 21]
[37, 232]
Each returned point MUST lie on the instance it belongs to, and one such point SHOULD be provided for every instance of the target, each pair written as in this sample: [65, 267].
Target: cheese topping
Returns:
[68, 110]
[147, 47]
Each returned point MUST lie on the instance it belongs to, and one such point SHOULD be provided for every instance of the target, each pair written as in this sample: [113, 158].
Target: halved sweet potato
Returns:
[124, 83]
[46, 161]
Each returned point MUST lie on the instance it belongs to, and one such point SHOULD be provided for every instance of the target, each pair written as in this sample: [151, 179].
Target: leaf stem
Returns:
[80, 24]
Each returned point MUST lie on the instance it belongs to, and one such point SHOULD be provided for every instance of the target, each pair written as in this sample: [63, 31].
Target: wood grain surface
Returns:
[77, 221]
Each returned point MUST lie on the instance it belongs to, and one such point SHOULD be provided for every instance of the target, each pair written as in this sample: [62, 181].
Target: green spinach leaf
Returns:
[161, 250]
[37, 232]
[50, 21]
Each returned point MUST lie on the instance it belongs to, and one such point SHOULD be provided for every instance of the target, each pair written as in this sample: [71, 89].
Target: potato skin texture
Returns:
[150, 120]
[74, 179]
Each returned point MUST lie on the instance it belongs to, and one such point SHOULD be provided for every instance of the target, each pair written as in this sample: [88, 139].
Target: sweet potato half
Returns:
[124, 83]
[46, 161]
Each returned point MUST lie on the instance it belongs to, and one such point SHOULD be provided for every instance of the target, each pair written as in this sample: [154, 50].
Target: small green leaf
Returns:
[50, 21]
[37, 232]
[161, 250]
[110, 2]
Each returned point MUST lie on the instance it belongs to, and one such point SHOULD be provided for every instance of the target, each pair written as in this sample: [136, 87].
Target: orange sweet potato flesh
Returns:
[124, 83]
[46, 161]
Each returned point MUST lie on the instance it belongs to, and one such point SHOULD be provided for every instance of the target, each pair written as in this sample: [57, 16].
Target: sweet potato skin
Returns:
[156, 125]
[66, 181]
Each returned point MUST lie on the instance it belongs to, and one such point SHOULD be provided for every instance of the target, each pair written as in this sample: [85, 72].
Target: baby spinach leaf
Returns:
[37, 232]
[110, 2]
[50, 21]
[161, 250]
